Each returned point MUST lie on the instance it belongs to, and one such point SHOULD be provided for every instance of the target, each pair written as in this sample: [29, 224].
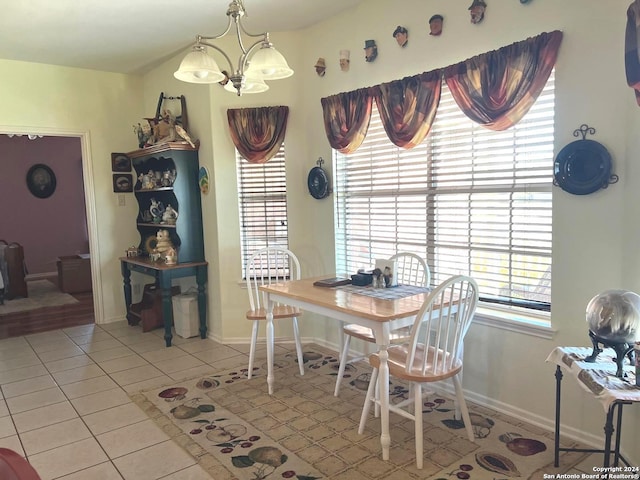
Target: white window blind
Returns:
[469, 200]
[262, 197]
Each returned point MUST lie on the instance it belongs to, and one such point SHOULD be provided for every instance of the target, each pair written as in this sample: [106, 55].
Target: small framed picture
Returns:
[41, 181]
[122, 182]
[120, 162]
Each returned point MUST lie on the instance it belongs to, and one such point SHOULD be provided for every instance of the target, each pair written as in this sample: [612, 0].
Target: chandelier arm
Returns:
[202, 42]
[216, 37]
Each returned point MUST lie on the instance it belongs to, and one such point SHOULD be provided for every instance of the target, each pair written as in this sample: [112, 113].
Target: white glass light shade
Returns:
[270, 63]
[199, 67]
[251, 84]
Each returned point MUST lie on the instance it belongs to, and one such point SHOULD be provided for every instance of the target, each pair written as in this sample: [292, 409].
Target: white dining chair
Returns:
[412, 270]
[433, 353]
[266, 266]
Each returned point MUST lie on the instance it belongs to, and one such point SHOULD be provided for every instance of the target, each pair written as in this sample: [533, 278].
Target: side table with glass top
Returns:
[599, 379]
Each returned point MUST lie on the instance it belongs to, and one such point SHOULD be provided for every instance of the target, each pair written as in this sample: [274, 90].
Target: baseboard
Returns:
[38, 276]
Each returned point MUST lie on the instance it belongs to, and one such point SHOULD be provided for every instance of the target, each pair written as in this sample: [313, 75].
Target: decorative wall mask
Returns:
[320, 67]
[401, 35]
[476, 10]
[344, 60]
[370, 50]
[435, 25]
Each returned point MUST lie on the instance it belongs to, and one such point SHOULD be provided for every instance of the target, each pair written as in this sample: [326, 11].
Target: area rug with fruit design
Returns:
[236, 430]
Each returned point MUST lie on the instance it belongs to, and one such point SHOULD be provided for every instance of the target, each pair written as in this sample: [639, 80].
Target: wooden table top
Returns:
[381, 310]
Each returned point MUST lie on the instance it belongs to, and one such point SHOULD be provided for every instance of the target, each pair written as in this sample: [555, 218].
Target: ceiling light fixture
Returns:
[198, 66]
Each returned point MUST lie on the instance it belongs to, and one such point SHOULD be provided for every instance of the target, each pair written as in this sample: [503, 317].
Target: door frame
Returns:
[89, 201]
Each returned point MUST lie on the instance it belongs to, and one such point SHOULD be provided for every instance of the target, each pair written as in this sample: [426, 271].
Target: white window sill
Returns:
[514, 320]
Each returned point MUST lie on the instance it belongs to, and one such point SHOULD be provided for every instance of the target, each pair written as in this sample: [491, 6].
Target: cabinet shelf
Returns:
[157, 225]
[151, 190]
[183, 196]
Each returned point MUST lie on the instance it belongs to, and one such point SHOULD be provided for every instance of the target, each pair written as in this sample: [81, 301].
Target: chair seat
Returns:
[397, 364]
[366, 334]
[279, 311]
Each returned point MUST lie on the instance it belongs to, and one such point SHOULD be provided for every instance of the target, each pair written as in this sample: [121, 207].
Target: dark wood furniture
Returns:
[148, 312]
[180, 161]
[163, 275]
[12, 267]
[175, 168]
[74, 273]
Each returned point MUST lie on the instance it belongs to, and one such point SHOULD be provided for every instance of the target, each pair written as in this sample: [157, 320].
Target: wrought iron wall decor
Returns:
[318, 182]
[583, 166]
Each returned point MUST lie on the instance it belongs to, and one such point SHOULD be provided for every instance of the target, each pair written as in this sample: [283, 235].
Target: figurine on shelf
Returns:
[156, 210]
[182, 133]
[168, 177]
[146, 217]
[170, 215]
[165, 130]
[143, 133]
[163, 242]
[146, 182]
[171, 256]
[155, 255]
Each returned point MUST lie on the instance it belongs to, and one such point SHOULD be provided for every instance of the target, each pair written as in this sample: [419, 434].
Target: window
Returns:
[469, 200]
[262, 197]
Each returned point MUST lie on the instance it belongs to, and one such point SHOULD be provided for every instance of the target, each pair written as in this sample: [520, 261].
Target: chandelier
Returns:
[198, 66]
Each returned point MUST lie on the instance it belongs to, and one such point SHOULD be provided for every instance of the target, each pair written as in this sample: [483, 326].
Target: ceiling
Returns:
[132, 36]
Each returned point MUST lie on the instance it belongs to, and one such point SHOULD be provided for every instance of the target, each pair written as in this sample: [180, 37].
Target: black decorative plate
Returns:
[582, 167]
[318, 183]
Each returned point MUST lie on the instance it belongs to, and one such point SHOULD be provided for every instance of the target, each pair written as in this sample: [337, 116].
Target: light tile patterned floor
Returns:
[64, 400]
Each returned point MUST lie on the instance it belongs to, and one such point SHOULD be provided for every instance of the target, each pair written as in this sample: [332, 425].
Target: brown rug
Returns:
[42, 293]
[236, 430]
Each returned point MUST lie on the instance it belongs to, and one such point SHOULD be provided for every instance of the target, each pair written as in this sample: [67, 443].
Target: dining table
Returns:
[381, 313]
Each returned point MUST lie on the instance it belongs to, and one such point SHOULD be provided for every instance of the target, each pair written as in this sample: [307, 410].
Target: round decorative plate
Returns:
[318, 183]
[582, 167]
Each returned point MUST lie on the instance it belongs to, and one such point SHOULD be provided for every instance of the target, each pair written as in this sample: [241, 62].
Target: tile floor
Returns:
[64, 400]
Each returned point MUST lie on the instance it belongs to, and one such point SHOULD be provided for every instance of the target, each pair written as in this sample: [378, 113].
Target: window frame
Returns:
[262, 189]
[534, 320]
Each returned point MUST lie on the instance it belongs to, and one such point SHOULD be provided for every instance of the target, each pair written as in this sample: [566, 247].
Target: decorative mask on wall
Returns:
[476, 10]
[370, 50]
[344, 60]
[320, 67]
[401, 35]
[435, 25]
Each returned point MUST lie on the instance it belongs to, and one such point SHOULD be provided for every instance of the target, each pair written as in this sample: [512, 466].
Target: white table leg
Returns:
[382, 339]
[269, 304]
[383, 383]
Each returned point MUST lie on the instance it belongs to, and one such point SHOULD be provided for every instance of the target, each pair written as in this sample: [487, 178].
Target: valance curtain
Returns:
[496, 89]
[259, 132]
[407, 107]
[346, 119]
[631, 44]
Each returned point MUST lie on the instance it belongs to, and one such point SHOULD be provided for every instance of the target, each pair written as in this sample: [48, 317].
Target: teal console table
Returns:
[163, 275]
